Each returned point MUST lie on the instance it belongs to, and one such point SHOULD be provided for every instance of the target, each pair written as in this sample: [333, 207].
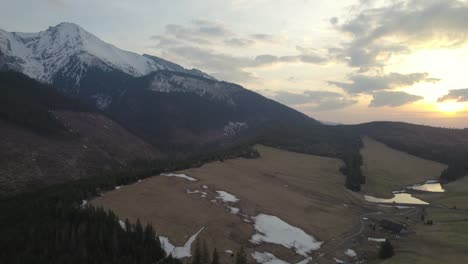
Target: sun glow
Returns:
[450, 107]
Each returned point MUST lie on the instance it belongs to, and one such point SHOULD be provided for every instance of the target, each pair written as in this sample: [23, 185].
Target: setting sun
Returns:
[450, 107]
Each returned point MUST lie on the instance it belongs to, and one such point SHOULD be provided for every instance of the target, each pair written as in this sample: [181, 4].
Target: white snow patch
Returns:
[122, 225]
[268, 258]
[183, 176]
[380, 240]
[234, 210]
[84, 203]
[205, 187]
[274, 230]
[365, 218]
[179, 252]
[305, 261]
[229, 251]
[338, 260]
[351, 253]
[118, 187]
[227, 197]
[202, 194]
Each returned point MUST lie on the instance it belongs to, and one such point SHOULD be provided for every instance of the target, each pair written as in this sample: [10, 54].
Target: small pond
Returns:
[429, 186]
[399, 198]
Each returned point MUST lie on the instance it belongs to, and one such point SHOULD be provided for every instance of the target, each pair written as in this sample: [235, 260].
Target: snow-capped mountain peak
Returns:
[69, 50]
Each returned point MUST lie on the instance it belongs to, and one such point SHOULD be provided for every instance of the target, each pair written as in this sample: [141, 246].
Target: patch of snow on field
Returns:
[274, 230]
[350, 253]
[118, 187]
[234, 210]
[229, 251]
[183, 176]
[179, 252]
[205, 187]
[203, 194]
[227, 197]
[338, 260]
[166, 244]
[268, 258]
[122, 225]
[380, 240]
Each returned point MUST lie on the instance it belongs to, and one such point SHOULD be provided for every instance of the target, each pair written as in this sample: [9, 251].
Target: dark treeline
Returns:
[445, 145]
[28, 103]
[49, 225]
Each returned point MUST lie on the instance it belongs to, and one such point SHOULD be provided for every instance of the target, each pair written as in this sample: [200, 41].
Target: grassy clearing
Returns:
[304, 190]
[388, 170]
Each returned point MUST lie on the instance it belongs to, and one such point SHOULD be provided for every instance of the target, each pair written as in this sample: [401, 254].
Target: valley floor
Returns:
[241, 202]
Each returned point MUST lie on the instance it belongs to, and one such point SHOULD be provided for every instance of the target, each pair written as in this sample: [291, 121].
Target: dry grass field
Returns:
[388, 170]
[307, 192]
[303, 190]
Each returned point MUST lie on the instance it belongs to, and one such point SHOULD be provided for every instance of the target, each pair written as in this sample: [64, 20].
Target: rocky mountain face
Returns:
[68, 51]
[158, 100]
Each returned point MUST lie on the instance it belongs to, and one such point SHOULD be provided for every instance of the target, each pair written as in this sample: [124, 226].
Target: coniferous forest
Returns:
[52, 224]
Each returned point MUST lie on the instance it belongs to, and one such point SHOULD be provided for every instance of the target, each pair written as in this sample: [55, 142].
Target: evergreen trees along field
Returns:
[50, 225]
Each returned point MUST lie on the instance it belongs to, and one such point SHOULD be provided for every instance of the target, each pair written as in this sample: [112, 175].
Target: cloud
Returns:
[369, 84]
[392, 99]
[198, 31]
[459, 95]
[200, 45]
[377, 33]
[210, 28]
[56, 2]
[239, 42]
[315, 100]
[268, 38]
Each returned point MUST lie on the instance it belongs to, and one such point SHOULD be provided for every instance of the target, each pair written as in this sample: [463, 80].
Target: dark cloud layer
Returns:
[393, 99]
[315, 100]
[459, 95]
[377, 33]
[369, 84]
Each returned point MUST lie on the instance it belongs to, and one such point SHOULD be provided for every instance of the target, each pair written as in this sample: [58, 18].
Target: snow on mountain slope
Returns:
[70, 50]
[174, 82]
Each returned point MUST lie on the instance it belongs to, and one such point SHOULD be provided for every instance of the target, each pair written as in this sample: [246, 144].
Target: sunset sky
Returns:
[339, 61]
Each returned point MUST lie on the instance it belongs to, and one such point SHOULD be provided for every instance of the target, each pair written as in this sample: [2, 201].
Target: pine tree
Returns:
[386, 250]
[196, 259]
[215, 257]
[205, 255]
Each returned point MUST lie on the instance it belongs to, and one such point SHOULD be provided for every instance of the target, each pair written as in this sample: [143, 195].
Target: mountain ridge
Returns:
[67, 46]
